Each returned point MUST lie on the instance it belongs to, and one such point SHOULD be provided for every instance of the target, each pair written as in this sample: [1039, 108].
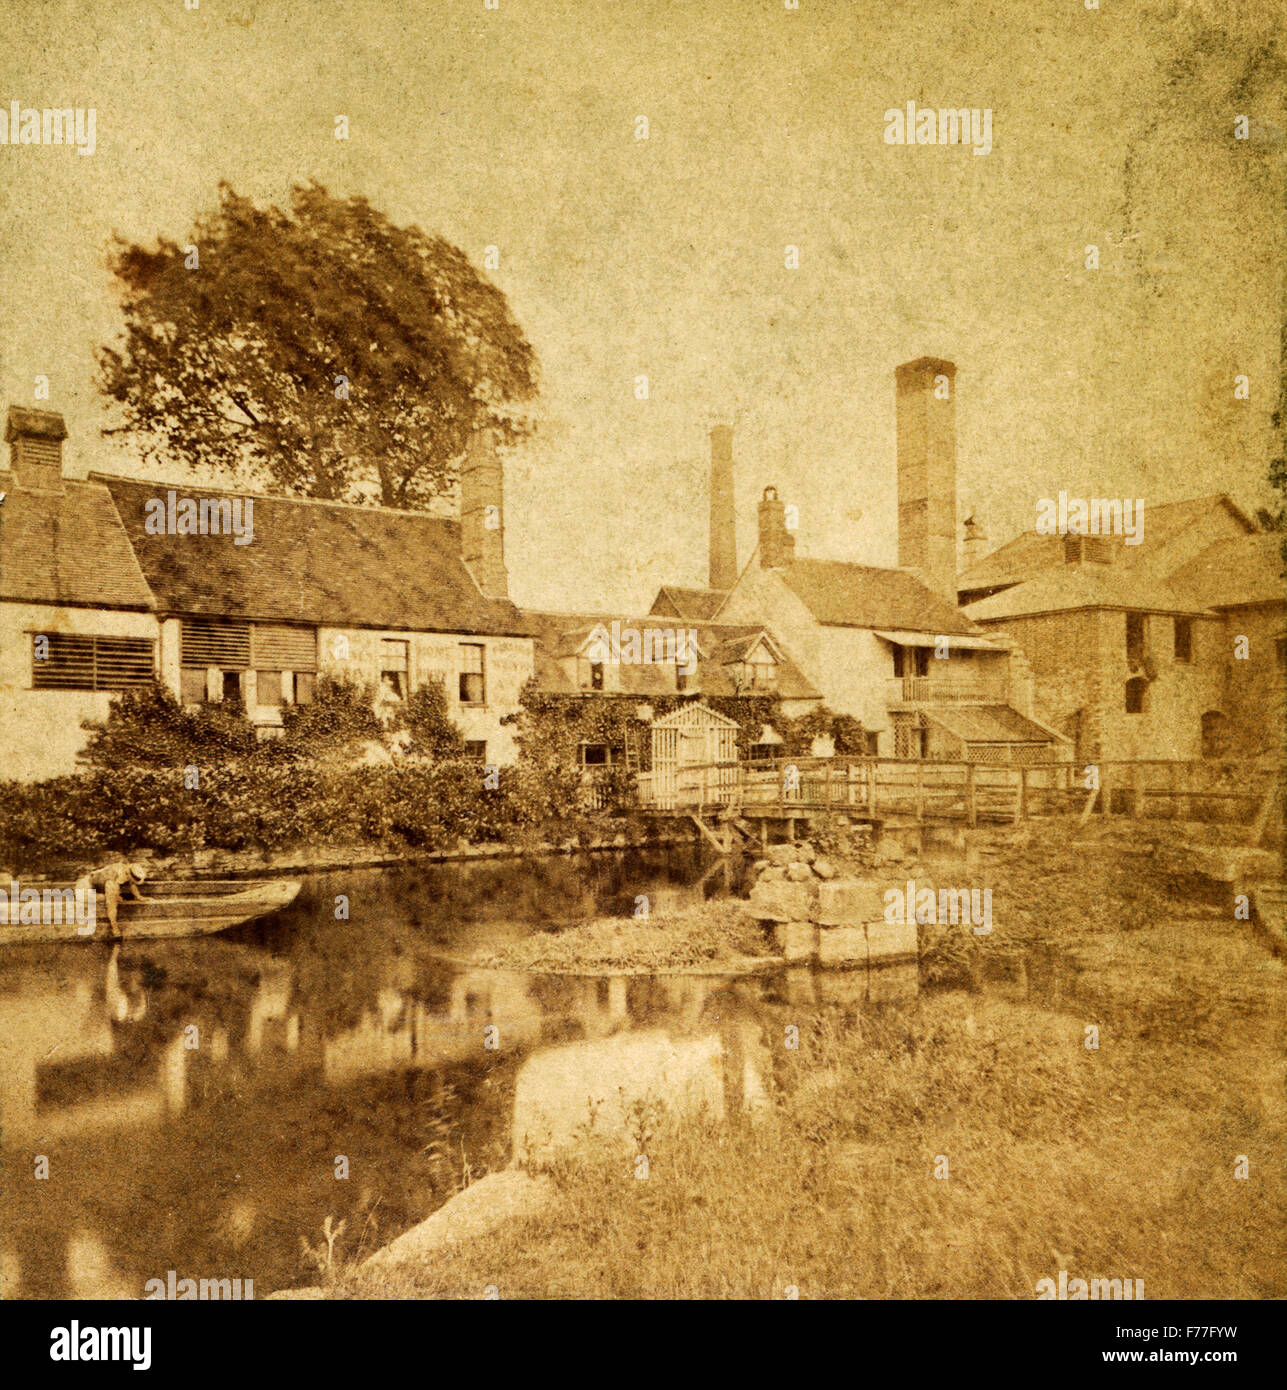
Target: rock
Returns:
[480, 1208]
[781, 855]
[805, 852]
[889, 851]
[775, 901]
[796, 941]
[850, 902]
[773, 874]
[824, 868]
[759, 866]
[891, 941]
[843, 945]
[799, 873]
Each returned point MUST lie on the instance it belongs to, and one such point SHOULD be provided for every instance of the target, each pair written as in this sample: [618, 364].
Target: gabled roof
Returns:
[67, 547]
[695, 605]
[721, 647]
[840, 594]
[1031, 552]
[1246, 569]
[327, 563]
[1080, 586]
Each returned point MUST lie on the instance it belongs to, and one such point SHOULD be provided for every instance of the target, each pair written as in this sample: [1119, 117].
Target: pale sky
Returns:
[516, 127]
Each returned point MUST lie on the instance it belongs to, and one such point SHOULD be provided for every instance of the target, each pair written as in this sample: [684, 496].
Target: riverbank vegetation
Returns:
[965, 1144]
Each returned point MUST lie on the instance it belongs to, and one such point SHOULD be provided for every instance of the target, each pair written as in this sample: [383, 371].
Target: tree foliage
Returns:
[320, 348]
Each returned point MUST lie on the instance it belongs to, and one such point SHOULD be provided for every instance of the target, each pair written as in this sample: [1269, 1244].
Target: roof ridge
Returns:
[372, 508]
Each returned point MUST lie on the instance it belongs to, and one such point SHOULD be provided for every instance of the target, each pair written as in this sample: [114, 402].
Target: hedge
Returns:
[249, 805]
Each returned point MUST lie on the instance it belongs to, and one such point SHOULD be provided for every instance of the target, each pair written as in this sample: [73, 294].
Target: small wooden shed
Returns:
[694, 757]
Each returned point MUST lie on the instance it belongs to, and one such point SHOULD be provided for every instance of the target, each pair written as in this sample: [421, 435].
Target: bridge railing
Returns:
[1156, 788]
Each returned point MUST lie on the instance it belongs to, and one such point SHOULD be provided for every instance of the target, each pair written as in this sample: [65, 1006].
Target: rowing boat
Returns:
[170, 908]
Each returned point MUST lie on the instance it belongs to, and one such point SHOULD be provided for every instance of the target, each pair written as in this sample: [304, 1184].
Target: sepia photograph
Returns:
[643, 652]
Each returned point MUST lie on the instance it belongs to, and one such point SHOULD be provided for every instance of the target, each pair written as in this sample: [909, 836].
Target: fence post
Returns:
[1021, 803]
[971, 802]
[920, 790]
[872, 769]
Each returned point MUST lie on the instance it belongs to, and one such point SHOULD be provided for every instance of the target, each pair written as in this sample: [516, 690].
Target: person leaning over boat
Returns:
[112, 880]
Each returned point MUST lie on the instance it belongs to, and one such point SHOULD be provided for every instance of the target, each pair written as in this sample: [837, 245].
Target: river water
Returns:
[206, 1106]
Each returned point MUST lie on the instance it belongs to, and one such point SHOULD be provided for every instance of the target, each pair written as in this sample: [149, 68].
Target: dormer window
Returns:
[1072, 550]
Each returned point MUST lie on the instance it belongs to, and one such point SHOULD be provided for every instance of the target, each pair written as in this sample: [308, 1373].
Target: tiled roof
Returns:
[989, 724]
[1247, 569]
[560, 635]
[316, 562]
[841, 594]
[695, 605]
[1080, 586]
[67, 547]
[1029, 553]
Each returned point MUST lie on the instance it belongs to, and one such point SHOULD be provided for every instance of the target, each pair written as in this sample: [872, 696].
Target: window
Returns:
[305, 682]
[476, 749]
[395, 663]
[1072, 550]
[763, 670]
[1136, 639]
[1136, 695]
[231, 688]
[66, 661]
[268, 688]
[192, 685]
[472, 687]
[681, 679]
[1184, 639]
[595, 755]
[596, 675]
[1095, 548]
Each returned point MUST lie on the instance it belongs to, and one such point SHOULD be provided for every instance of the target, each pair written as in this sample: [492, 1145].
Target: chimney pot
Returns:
[777, 544]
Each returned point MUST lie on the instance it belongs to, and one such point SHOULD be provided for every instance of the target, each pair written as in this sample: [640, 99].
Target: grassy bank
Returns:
[1118, 1161]
[714, 935]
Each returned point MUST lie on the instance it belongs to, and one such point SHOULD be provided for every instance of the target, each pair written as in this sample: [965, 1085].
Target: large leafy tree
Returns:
[322, 348]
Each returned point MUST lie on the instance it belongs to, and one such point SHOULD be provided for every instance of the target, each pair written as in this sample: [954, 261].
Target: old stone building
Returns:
[95, 598]
[1136, 649]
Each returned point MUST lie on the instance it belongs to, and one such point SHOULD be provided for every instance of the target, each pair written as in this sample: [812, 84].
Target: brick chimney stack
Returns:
[35, 439]
[777, 544]
[482, 515]
[926, 421]
[723, 548]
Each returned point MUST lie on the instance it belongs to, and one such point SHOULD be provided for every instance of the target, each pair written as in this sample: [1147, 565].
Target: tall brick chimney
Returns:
[35, 439]
[723, 554]
[482, 515]
[777, 544]
[926, 421]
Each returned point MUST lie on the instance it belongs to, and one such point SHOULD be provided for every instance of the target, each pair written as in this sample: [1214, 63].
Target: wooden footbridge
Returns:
[750, 797]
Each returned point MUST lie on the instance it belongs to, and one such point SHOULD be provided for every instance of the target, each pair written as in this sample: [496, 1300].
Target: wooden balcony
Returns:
[933, 690]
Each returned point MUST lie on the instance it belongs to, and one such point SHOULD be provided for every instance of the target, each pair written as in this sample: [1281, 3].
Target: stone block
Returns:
[824, 868]
[849, 902]
[891, 941]
[796, 941]
[799, 873]
[842, 945]
[772, 901]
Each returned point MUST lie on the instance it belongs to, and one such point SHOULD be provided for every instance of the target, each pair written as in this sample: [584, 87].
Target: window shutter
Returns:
[221, 642]
[284, 647]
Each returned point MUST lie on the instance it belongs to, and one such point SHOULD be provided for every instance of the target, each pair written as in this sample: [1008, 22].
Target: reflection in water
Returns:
[192, 1098]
